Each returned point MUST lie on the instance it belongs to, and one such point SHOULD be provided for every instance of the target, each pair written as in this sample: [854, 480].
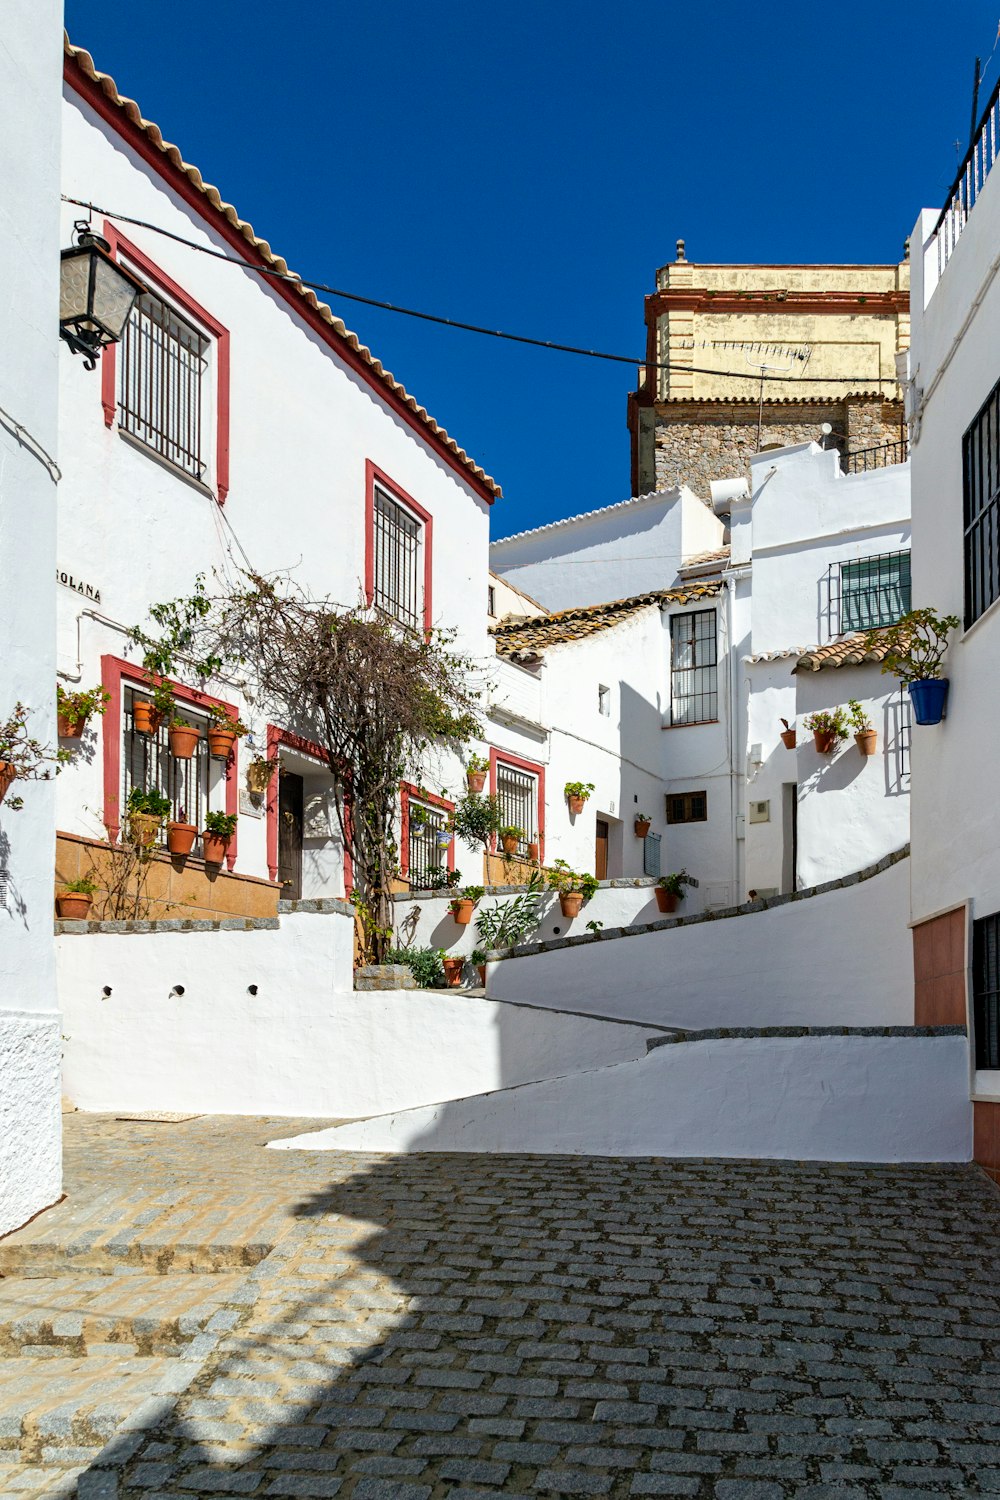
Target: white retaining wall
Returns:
[305, 1043]
[812, 1098]
[840, 958]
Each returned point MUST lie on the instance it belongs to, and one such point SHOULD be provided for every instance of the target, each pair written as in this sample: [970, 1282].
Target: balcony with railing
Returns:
[864, 460]
[969, 181]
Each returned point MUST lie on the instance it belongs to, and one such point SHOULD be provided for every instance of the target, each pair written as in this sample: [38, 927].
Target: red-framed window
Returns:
[399, 544]
[422, 816]
[166, 385]
[275, 738]
[519, 786]
[194, 787]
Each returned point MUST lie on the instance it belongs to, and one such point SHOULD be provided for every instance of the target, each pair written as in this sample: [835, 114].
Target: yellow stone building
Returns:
[825, 339]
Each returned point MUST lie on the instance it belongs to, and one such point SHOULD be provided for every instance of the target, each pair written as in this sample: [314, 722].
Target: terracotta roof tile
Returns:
[534, 634]
[85, 63]
[704, 562]
[850, 652]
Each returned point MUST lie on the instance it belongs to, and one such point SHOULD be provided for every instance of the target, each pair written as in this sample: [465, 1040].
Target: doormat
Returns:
[158, 1116]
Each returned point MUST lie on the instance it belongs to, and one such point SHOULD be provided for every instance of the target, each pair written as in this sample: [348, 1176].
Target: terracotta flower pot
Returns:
[866, 740]
[576, 804]
[481, 971]
[788, 738]
[73, 906]
[642, 827]
[453, 971]
[145, 718]
[214, 846]
[259, 777]
[181, 837]
[143, 829]
[533, 853]
[665, 900]
[7, 778]
[183, 740]
[462, 911]
[68, 730]
[221, 742]
[825, 741]
[570, 903]
[509, 844]
[476, 780]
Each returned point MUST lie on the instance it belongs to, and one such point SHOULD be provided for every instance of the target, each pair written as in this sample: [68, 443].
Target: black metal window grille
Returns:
[491, 600]
[162, 367]
[865, 459]
[694, 693]
[191, 785]
[874, 590]
[517, 793]
[397, 542]
[426, 854]
[687, 807]
[981, 487]
[986, 989]
[651, 854]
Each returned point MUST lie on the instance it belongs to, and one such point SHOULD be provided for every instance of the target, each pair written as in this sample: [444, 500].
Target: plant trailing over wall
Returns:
[425, 964]
[23, 758]
[374, 695]
[504, 924]
[477, 819]
[916, 644]
[74, 709]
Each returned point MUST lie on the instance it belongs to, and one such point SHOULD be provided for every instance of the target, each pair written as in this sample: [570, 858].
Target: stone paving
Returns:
[465, 1326]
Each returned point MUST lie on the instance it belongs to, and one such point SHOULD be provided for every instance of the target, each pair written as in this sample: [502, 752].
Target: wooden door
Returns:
[601, 850]
[290, 825]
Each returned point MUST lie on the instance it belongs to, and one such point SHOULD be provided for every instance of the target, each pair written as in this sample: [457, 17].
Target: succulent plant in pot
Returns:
[643, 823]
[74, 709]
[865, 733]
[217, 835]
[476, 771]
[464, 902]
[576, 794]
[829, 728]
[74, 899]
[223, 731]
[181, 834]
[573, 886]
[146, 812]
[788, 736]
[916, 647]
[669, 889]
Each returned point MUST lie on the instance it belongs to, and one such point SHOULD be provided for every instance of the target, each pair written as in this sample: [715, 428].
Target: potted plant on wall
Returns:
[23, 758]
[74, 709]
[146, 812]
[259, 773]
[463, 903]
[643, 823]
[478, 958]
[181, 834]
[576, 794]
[149, 713]
[669, 889]
[574, 888]
[828, 727]
[916, 648]
[788, 736]
[223, 731]
[453, 967]
[510, 837]
[217, 835]
[475, 772]
[182, 737]
[865, 733]
[73, 900]
[533, 852]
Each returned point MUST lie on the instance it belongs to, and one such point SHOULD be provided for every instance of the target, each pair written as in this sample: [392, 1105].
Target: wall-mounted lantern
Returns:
[95, 295]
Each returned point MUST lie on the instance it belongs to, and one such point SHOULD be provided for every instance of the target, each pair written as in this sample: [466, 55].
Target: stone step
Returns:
[57, 1254]
[77, 1313]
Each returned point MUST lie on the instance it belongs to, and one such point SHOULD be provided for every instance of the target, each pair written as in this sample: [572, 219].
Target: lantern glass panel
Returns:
[114, 295]
[74, 286]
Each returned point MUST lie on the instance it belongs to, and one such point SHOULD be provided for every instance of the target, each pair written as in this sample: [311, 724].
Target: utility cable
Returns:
[492, 333]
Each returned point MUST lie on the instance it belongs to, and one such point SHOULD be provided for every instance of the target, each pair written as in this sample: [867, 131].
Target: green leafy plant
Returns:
[477, 763]
[85, 886]
[440, 879]
[641, 817]
[24, 758]
[77, 707]
[504, 924]
[860, 722]
[511, 831]
[163, 699]
[152, 804]
[477, 819]
[594, 926]
[578, 789]
[477, 956]
[223, 825]
[567, 881]
[223, 718]
[916, 644]
[833, 721]
[470, 893]
[425, 964]
[675, 883]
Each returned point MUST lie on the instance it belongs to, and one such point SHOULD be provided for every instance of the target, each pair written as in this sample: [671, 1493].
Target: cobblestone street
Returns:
[536, 1326]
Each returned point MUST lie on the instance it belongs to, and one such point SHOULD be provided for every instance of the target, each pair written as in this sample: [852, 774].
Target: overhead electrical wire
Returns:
[492, 333]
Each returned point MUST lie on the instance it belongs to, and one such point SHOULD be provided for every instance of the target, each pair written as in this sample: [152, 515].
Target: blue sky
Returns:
[528, 166]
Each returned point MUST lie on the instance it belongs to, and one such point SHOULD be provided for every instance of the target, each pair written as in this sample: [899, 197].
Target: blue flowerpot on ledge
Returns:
[930, 699]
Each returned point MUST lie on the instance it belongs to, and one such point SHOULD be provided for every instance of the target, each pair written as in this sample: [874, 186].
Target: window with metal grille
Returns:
[517, 793]
[427, 855]
[397, 542]
[874, 591]
[491, 600]
[194, 786]
[981, 490]
[694, 692]
[687, 807]
[162, 364]
[986, 989]
[651, 854]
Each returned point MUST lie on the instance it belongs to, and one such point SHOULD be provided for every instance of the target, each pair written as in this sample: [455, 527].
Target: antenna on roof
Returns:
[765, 369]
[977, 79]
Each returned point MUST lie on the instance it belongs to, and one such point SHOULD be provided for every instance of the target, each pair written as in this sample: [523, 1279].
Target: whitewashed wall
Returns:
[306, 1043]
[815, 1098]
[841, 958]
[30, 69]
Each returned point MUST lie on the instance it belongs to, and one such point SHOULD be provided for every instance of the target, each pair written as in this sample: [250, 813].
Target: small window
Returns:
[604, 701]
[517, 793]
[981, 493]
[874, 591]
[491, 600]
[694, 694]
[986, 989]
[161, 383]
[687, 807]
[397, 562]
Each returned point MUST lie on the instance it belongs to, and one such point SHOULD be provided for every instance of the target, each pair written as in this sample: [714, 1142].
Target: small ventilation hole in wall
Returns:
[178, 989]
[251, 989]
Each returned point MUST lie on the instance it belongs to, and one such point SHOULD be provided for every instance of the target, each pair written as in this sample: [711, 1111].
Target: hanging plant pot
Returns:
[788, 738]
[73, 906]
[143, 829]
[509, 843]
[70, 729]
[476, 780]
[214, 847]
[453, 971]
[145, 718]
[221, 742]
[443, 838]
[665, 900]
[183, 739]
[825, 741]
[866, 741]
[642, 827]
[576, 804]
[570, 903]
[929, 697]
[533, 853]
[259, 773]
[181, 837]
[8, 776]
[462, 911]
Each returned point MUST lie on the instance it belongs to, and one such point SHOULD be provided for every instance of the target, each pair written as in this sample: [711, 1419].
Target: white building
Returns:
[30, 1128]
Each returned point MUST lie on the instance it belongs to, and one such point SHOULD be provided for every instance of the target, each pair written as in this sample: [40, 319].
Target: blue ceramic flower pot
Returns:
[929, 698]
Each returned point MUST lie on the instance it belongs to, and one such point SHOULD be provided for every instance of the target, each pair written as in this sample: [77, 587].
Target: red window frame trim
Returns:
[408, 789]
[109, 362]
[114, 672]
[374, 475]
[275, 737]
[520, 764]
